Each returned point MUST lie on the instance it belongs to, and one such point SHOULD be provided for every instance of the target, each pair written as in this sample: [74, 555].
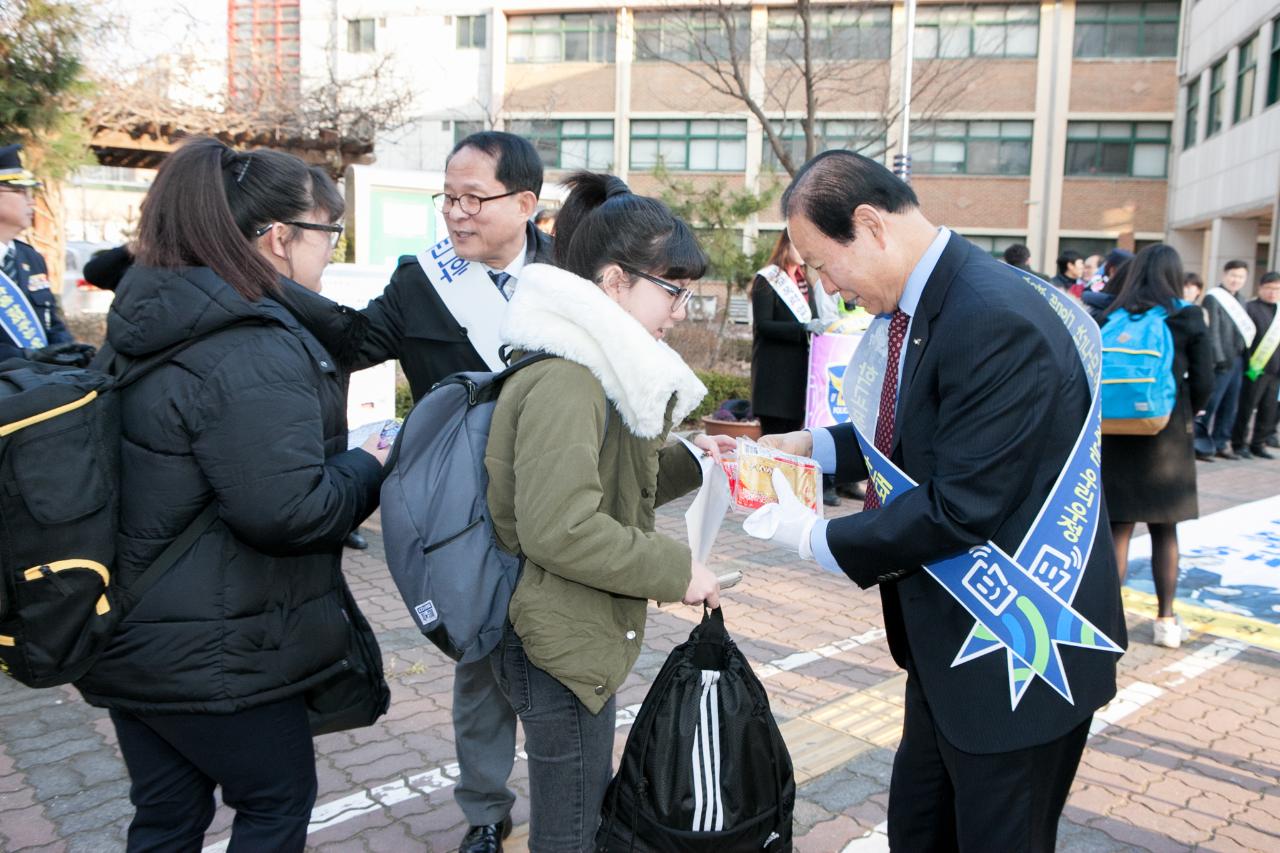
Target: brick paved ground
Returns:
[1190, 759]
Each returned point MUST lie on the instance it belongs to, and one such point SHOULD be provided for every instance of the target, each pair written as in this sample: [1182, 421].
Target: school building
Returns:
[1224, 182]
[1046, 123]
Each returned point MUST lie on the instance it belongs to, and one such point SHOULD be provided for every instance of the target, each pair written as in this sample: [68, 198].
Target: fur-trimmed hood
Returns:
[557, 312]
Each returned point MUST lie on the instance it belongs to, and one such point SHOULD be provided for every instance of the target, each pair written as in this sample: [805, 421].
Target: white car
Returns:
[78, 296]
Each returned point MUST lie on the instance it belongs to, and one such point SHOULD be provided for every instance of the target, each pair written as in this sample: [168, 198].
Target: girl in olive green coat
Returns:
[577, 464]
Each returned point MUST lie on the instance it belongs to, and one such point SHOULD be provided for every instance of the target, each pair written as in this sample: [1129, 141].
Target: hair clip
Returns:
[244, 167]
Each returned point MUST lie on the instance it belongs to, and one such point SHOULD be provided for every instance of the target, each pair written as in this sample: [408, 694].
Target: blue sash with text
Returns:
[18, 318]
[1021, 603]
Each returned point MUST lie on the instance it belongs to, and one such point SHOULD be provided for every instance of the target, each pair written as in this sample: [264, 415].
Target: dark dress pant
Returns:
[262, 757]
[943, 799]
[1256, 395]
[1213, 428]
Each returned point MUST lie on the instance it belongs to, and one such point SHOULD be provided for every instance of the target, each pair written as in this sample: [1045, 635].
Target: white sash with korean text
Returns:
[788, 291]
[471, 297]
[18, 318]
[1236, 312]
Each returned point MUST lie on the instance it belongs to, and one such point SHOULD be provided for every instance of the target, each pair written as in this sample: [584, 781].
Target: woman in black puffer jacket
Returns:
[205, 676]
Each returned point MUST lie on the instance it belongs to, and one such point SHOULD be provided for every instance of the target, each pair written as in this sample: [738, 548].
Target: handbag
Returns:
[358, 695]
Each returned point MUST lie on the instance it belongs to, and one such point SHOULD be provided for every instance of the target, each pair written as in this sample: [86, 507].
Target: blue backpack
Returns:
[1139, 389]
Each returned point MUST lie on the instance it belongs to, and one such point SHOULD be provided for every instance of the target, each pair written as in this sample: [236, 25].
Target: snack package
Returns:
[386, 431]
[753, 486]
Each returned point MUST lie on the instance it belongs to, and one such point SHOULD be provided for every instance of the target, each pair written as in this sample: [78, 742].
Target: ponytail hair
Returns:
[209, 201]
[602, 222]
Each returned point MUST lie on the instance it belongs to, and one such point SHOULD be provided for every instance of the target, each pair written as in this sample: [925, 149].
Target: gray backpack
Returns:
[441, 548]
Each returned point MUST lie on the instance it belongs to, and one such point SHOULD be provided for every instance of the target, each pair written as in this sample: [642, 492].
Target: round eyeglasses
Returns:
[469, 202]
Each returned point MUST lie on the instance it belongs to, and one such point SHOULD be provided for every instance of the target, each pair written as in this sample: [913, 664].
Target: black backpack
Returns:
[705, 767]
[59, 515]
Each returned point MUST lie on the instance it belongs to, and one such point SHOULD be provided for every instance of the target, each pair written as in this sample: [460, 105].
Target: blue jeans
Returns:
[1213, 428]
[570, 751]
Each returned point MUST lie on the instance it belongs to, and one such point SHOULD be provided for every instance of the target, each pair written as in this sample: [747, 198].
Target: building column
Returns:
[1232, 239]
[1049, 131]
[755, 133]
[1190, 245]
[623, 52]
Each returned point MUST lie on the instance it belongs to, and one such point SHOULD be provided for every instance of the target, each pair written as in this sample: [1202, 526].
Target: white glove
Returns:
[787, 523]
[816, 326]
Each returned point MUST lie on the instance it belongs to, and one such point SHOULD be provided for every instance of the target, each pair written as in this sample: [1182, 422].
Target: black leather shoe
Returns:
[1204, 457]
[1273, 441]
[356, 541]
[1227, 454]
[1244, 453]
[829, 496]
[1262, 453]
[856, 491]
[486, 838]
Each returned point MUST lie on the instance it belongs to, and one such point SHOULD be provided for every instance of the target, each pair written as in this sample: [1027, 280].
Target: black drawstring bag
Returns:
[705, 767]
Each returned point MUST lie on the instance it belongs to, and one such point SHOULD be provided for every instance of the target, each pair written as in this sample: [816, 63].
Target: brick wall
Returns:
[560, 87]
[849, 87]
[660, 86]
[645, 184]
[974, 202]
[1120, 86]
[970, 85]
[1107, 204]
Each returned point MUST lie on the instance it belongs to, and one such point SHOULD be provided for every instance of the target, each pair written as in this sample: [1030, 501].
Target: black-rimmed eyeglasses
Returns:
[679, 295]
[469, 202]
[334, 231]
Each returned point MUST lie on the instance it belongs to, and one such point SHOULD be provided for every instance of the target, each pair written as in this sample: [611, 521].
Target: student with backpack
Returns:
[1151, 477]
[577, 464]
[205, 676]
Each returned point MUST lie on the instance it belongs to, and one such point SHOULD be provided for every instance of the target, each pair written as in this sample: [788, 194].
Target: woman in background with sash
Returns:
[784, 313]
[1152, 478]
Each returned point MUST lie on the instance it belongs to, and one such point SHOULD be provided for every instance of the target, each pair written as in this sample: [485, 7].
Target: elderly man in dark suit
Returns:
[983, 397]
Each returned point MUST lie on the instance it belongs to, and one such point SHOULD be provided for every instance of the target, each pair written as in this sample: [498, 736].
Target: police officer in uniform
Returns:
[32, 324]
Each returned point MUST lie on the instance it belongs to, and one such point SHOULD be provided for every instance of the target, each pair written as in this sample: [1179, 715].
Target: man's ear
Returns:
[528, 203]
[869, 220]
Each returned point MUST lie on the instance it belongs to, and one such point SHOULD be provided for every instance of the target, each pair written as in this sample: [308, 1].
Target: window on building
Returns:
[561, 38]
[1126, 29]
[1273, 72]
[470, 30]
[865, 136]
[1086, 246]
[263, 47]
[360, 35]
[689, 36]
[849, 32]
[1217, 94]
[1118, 148]
[1191, 113]
[569, 143]
[954, 32]
[995, 244]
[1246, 79]
[463, 129]
[971, 148]
[704, 145]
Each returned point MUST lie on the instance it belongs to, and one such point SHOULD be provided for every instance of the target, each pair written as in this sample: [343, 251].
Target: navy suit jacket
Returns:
[41, 296]
[993, 396]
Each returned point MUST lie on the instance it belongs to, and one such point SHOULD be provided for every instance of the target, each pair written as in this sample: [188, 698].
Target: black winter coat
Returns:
[251, 416]
[410, 322]
[1152, 478]
[779, 354]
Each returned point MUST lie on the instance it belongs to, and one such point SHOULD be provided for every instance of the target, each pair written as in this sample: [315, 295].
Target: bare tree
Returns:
[808, 70]
[332, 120]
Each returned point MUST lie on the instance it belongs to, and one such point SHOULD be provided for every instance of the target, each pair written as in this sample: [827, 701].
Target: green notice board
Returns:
[402, 222]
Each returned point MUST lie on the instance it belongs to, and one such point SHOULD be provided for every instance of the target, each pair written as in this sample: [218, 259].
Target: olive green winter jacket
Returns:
[577, 464]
